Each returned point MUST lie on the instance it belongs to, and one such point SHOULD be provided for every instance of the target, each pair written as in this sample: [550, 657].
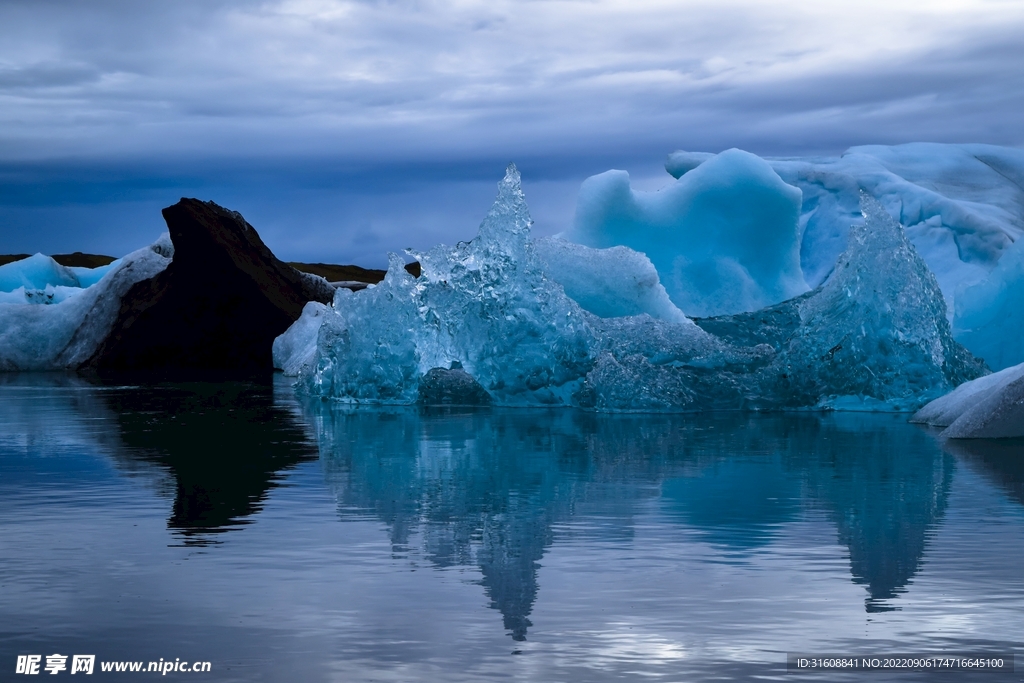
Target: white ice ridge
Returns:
[725, 237]
[988, 407]
[485, 322]
[66, 333]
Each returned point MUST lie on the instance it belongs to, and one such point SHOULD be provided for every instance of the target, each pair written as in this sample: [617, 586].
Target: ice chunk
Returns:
[296, 348]
[877, 328]
[724, 237]
[66, 334]
[607, 282]
[484, 323]
[872, 337]
[485, 304]
[989, 316]
[988, 407]
[36, 273]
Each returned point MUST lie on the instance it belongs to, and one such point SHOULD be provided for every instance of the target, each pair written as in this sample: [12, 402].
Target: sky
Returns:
[344, 129]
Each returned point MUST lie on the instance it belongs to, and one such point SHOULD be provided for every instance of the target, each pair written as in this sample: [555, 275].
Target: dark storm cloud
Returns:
[117, 100]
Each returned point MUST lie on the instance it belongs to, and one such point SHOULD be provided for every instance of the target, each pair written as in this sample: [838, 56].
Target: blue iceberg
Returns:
[488, 316]
[65, 333]
[989, 318]
[725, 237]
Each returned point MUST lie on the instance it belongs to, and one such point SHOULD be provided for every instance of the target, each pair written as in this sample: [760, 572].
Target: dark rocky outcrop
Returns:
[452, 386]
[217, 307]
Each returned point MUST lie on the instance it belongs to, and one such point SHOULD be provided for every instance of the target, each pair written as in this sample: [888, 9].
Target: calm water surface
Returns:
[285, 540]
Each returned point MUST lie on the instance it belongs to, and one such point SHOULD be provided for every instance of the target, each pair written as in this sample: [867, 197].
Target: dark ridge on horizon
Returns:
[73, 260]
[332, 272]
[349, 273]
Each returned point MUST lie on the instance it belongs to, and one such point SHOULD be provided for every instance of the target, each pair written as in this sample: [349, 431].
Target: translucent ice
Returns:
[989, 316]
[724, 237]
[485, 323]
[607, 282]
[988, 407]
[485, 305]
[65, 334]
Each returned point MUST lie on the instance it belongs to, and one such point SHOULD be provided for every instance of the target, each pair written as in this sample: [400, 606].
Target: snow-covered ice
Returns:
[724, 237]
[66, 333]
[988, 407]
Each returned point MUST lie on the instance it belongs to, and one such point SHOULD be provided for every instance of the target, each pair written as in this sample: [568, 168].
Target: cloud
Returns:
[401, 93]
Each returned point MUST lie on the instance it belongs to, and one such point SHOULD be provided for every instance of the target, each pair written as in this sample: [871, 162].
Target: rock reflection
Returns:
[488, 488]
[225, 444]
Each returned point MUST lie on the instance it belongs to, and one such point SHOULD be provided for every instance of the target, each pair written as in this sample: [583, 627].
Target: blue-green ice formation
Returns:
[488, 322]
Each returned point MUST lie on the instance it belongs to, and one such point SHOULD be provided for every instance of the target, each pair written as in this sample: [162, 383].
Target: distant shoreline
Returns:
[332, 272]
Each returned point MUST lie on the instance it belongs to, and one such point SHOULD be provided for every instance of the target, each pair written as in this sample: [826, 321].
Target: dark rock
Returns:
[217, 307]
[454, 386]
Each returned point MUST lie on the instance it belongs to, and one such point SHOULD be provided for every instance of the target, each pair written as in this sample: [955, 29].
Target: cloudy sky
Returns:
[346, 128]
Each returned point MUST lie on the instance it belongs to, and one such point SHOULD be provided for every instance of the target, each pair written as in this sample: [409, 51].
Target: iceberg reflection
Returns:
[494, 488]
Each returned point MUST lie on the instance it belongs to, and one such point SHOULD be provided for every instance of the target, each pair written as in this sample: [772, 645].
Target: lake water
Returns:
[285, 540]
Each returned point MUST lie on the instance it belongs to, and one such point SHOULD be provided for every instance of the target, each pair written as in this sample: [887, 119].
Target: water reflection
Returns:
[492, 488]
[225, 445]
[885, 488]
[1001, 461]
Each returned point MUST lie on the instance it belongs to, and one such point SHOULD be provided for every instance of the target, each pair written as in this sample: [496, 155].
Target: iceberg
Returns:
[486, 323]
[989, 317]
[485, 305]
[39, 279]
[960, 204]
[66, 333]
[961, 208]
[724, 238]
[36, 272]
[987, 407]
